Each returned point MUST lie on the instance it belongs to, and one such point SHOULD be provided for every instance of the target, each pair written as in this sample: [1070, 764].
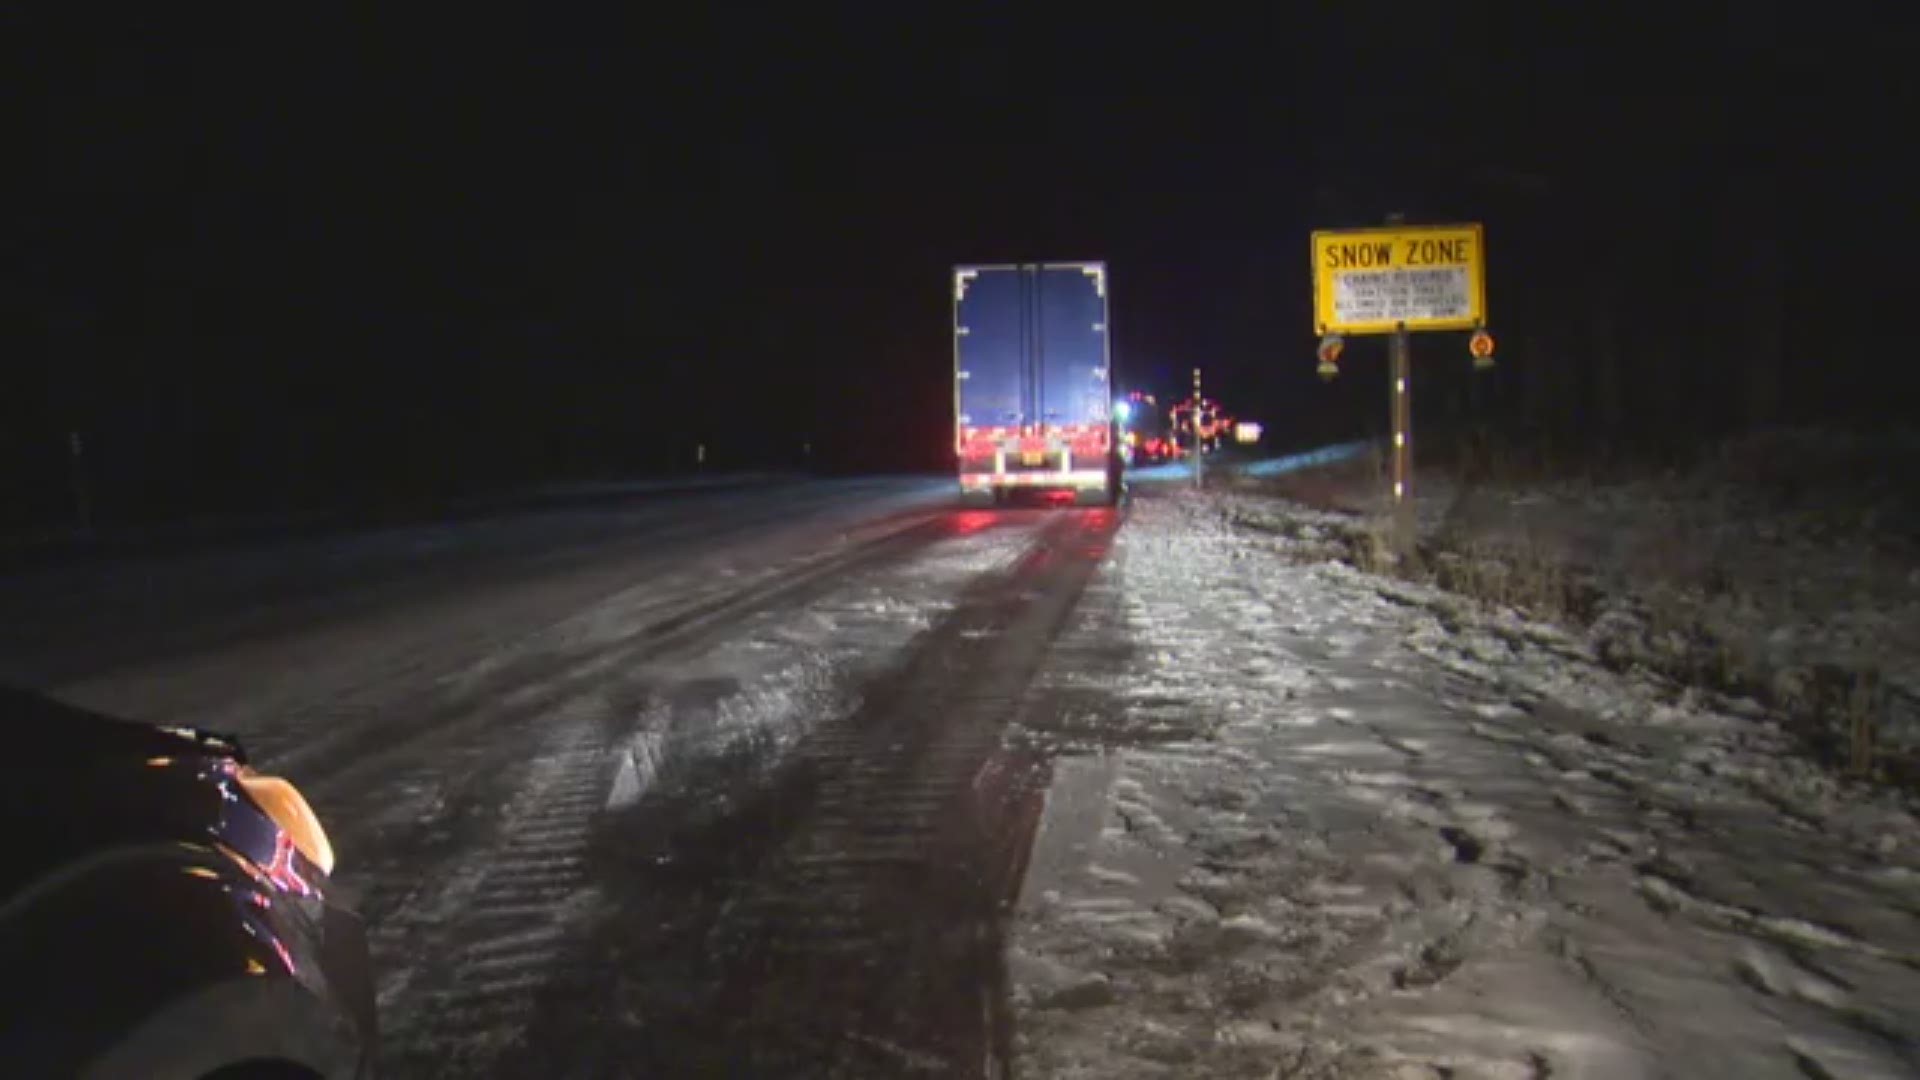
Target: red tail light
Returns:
[978, 442]
[1088, 440]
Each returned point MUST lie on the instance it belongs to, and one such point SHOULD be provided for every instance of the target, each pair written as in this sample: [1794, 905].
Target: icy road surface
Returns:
[681, 788]
[840, 780]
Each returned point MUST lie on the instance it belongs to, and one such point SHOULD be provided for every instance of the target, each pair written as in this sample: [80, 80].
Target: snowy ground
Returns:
[469, 956]
[267, 640]
[1314, 823]
[840, 780]
[1783, 568]
[482, 711]
[46, 539]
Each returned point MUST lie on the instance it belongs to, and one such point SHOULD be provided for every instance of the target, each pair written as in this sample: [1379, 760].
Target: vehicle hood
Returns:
[47, 733]
[72, 780]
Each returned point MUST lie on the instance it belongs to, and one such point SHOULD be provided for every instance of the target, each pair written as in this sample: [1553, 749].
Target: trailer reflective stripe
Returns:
[1078, 478]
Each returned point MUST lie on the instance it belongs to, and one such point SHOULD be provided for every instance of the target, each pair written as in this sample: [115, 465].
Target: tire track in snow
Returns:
[476, 909]
[447, 747]
[846, 919]
[886, 909]
[481, 869]
[351, 638]
[532, 683]
[477, 949]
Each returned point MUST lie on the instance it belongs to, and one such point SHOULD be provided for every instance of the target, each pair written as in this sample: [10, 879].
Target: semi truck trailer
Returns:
[1032, 384]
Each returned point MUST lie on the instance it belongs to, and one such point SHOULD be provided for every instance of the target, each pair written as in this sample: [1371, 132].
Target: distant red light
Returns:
[972, 521]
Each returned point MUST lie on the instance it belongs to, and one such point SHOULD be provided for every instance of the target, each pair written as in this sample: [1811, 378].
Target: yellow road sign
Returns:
[1425, 277]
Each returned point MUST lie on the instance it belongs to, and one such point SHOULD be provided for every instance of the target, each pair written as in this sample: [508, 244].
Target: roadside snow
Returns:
[1319, 824]
[1784, 568]
[1699, 576]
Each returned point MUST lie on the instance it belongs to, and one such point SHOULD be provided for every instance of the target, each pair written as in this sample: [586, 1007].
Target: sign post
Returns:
[1198, 449]
[77, 469]
[1401, 350]
[1398, 280]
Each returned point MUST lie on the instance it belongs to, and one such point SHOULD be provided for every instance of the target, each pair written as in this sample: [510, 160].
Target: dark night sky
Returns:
[281, 264]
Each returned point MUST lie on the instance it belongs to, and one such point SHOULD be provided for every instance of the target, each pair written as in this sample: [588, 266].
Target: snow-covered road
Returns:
[622, 794]
[842, 780]
[1312, 823]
